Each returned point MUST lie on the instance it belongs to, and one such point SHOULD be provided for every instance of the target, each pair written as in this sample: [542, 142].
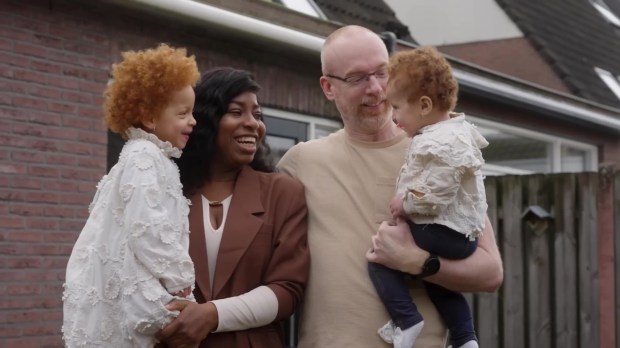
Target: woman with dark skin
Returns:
[248, 225]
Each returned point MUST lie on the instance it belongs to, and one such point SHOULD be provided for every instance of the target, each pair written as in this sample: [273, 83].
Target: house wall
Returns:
[515, 57]
[608, 142]
[54, 63]
[55, 58]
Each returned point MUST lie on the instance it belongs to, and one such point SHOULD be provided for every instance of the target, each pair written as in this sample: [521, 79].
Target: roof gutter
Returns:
[248, 26]
[230, 21]
[489, 87]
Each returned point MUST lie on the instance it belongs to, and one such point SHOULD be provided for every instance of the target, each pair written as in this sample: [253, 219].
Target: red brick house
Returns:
[55, 58]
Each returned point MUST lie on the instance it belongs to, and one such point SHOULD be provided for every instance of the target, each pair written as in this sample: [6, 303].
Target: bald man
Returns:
[349, 178]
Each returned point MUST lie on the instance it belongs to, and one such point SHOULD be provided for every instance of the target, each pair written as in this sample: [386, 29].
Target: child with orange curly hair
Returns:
[440, 191]
[131, 258]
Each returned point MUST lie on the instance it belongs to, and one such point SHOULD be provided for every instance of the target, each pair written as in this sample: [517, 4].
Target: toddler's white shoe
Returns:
[406, 339]
[386, 332]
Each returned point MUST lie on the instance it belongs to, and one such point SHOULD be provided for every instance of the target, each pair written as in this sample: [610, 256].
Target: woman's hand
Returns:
[193, 324]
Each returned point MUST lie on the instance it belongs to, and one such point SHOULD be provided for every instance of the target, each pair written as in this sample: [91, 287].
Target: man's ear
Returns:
[426, 105]
[327, 86]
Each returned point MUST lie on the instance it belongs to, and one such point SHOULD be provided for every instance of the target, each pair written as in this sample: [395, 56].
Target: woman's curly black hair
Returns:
[214, 92]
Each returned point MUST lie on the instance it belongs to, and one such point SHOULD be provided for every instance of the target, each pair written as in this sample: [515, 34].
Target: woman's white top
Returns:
[213, 236]
[132, 254]
[443, 165]
[255, 308]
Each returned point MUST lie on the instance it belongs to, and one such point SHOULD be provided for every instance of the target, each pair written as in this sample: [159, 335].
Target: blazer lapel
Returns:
[198, 247]
[242, 225]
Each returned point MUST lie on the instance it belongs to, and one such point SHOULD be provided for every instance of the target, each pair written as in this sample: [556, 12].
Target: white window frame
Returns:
[311, 121]
[307, 7]
[556, 146]
[610, 80]
[604, 10]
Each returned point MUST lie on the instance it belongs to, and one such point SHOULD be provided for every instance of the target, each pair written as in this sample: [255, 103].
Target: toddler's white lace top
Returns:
[443, 165]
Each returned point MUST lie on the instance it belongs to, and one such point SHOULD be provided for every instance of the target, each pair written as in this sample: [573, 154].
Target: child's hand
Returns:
[396, 206]
[183, 293]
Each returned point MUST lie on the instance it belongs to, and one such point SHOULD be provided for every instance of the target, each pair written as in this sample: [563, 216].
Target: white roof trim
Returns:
[235, 22]
[232, 21]
[494, 87]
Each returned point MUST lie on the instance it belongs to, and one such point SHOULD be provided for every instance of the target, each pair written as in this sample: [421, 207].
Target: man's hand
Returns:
[193, 324]
[394, 247]
[396, 207]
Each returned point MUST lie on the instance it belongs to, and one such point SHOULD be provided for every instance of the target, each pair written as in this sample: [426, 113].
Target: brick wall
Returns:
[54, 63]
[52, 151]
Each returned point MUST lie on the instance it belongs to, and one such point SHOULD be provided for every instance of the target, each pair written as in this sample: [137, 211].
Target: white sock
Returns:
[470, 344]
[406, 338]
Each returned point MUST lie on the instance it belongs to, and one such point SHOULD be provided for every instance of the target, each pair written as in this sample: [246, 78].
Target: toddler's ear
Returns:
[148, 124]
[426, 105]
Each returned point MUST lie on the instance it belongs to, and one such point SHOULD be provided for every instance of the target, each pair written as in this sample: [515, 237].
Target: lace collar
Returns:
[165, 146]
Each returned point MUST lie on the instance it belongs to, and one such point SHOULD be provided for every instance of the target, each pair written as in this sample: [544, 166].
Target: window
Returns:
[519, 151]
[574, 160]
[604, 10]
[307, 7]
[285, 129]
[610, 80]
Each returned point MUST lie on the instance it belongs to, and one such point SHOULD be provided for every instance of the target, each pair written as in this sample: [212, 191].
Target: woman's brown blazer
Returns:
[264, 242]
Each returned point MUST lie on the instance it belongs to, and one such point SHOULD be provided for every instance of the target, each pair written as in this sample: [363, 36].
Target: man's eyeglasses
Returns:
[358, 79]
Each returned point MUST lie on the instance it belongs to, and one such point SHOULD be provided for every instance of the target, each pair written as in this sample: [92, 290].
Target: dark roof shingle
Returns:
[574, 38]
[372, 14]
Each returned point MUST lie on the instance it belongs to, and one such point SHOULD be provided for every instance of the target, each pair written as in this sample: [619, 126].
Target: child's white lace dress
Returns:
[132, 254]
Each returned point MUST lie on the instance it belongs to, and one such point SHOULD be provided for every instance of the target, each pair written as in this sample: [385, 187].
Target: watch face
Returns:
[431, 266]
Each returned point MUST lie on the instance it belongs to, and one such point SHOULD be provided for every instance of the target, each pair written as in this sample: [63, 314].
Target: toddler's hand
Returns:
[396, 207]
[183, 293]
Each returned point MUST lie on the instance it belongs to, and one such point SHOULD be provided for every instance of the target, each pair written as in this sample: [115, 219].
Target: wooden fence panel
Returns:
[550, 294]
[537, 260]
[512, 249]
[616, 203]
[588, 261]
[564, 286]
[486, 304]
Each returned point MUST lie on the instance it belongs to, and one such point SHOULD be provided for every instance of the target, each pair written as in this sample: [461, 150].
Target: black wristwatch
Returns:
[430, 267]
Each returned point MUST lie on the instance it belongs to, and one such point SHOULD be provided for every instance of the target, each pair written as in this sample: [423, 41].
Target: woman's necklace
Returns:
[214, 203]
[219, 186]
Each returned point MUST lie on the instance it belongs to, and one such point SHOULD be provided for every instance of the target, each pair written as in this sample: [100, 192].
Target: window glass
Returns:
[279, 145]
[521, 153]
[285, 129]
[574, 160]
[323, 130]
